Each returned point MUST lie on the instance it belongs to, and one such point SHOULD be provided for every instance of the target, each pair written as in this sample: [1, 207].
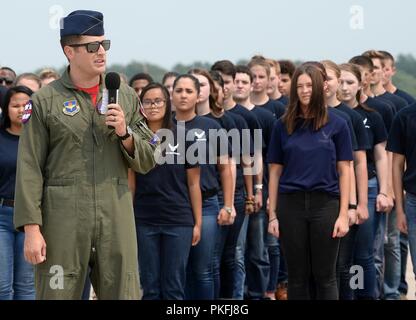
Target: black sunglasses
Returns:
[94, 46]
[6, 80]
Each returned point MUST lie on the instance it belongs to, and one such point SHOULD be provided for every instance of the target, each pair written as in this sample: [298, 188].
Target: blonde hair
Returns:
[328, 64]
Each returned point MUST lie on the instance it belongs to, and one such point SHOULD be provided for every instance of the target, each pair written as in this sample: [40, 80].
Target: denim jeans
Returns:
[411, 227]
[200, 270]
[273, 249]
[364, 249]
[240, 271]
[379, 242]
[307, 221]
[404, 251]
[282, 266]
[392, 261]
[224, 255]
[16, 275]
[163, 257]
[345, 262]
[257, 259]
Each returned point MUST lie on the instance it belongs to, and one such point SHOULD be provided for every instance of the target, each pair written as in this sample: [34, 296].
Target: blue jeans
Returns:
[200, 273]
[411, 227]
[345, 262]
[365, 239]
[16, 275]
[240, 271]
[379, 241]
[392, 260]
[224, 256]
[282, 267]
[257, 262]
[273, 249]
[163, 256]
[404, 250]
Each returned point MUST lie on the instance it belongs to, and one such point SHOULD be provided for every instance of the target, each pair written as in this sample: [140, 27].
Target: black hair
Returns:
[224, 66]
[6, 123]
[244, 69]
[287, 67]
[167, 119]
[141, 76]
[188, 76]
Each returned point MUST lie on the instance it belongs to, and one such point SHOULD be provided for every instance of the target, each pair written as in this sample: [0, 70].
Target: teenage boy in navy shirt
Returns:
[378, 75]
[261, 80]
[403, 145]
[257, 262]
[389, 73]
[273, 90]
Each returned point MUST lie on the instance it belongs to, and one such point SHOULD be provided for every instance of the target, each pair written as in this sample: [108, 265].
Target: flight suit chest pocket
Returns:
[62, 128]
[59, 196]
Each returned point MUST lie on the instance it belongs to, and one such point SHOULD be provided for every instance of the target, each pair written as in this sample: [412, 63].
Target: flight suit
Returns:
[72, 181]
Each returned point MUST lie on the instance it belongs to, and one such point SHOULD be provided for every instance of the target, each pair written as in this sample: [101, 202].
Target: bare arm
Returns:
[224, 168]
[193, 176]
[361, 175]
[380, 157]
[259, 180]
[398, 169]
[352, 213]
[275, 171]
[341, 225]
[248, 184]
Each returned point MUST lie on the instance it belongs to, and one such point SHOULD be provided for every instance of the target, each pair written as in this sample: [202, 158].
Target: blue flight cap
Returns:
[83, 23]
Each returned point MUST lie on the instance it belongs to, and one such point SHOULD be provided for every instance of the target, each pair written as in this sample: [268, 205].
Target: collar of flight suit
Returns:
[67, 82]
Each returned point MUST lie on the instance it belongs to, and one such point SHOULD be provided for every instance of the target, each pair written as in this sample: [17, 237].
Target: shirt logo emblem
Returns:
[71, 108]
[365, 123]
[173, 150]
[200, 136]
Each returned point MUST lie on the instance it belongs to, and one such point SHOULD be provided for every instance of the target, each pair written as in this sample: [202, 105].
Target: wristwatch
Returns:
[127, 135]
[228, 209]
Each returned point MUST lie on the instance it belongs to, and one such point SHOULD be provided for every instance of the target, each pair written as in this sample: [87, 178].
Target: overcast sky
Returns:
[167, 32]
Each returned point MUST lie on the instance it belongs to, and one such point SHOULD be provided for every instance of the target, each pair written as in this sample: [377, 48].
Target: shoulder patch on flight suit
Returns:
[27, 112]
[71, 108]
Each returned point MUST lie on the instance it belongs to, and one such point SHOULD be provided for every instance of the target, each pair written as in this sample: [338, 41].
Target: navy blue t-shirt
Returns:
[310, 157]
[8, 160]
[266, 121]
[251, 119]
[405, 96]
[377, 133]
[384, 108]
[198, 132]
[226, 121]
[347, 119]
[274, 107]
[399, 103]
[358, 126]
[246, 145]
[402, 140]
[283, 100]
[162, 195]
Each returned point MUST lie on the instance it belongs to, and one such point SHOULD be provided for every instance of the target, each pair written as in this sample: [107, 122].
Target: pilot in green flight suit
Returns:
[72, 198]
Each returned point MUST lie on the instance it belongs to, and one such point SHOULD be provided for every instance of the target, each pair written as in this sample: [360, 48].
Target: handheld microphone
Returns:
[112, 84]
